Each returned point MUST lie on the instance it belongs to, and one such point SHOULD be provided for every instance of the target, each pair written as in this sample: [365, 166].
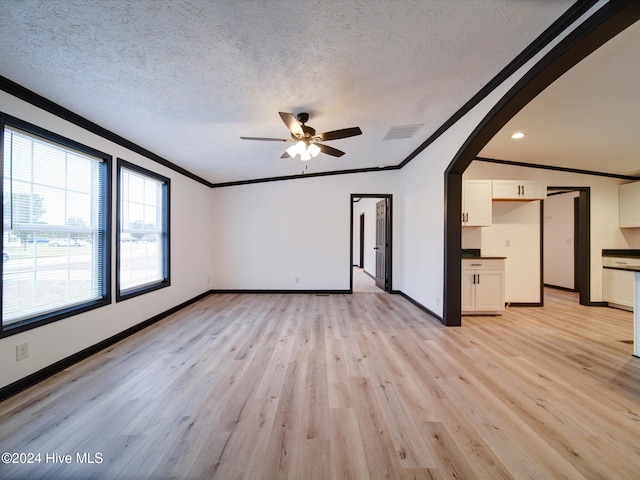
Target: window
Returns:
[54, 227]
[142, 263]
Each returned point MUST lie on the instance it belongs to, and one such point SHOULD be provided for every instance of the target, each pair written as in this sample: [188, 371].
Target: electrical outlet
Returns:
[297, 279]
[22, 351]
[437, 300]
[507, 243]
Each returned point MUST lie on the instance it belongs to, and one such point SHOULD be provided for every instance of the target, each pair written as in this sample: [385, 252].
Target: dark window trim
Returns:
[166, 204]
[44, 319]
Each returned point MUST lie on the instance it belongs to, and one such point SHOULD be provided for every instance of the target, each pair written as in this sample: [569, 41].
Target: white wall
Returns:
[559, 241]
[294, 234]
[366, 206]
[191, 232]
[605, 232]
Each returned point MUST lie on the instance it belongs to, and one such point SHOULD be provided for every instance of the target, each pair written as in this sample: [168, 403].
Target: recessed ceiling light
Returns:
[517, 135]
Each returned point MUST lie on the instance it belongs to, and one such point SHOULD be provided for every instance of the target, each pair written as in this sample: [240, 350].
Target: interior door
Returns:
[381, 244]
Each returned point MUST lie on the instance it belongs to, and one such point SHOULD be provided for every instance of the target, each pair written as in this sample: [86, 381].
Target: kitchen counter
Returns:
[631, 268]
[621, 253]
[484, 257]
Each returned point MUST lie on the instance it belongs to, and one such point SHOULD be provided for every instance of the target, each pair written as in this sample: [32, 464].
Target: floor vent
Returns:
[403, 131]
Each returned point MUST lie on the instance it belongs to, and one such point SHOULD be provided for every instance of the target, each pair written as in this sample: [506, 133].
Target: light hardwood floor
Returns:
[363, 283]
[343, 387]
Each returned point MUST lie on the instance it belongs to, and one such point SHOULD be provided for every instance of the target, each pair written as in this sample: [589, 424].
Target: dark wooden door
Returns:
[381, 244]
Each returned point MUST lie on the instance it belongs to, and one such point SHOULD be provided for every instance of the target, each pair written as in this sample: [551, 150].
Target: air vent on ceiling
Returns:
[402, 131]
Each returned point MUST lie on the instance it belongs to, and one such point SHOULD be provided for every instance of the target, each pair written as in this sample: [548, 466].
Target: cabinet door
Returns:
[468, 300]
[629, 199]
[519, 190]
[489, 290]
[533, 190]
[476, 203]
[506, 189]
[618, 287]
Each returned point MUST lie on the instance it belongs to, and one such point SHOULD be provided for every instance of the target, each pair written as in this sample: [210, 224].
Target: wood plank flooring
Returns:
[342, 387]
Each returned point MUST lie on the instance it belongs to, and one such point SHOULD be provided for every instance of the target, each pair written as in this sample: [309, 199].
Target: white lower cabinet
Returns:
[617, 281]
[482, 286]
[618, 288]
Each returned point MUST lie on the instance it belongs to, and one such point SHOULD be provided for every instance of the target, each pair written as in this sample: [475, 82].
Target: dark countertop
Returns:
[484, 258]
[630, 268]
[620, 253]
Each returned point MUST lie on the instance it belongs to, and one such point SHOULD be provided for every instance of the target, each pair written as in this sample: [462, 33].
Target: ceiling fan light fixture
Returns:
[305, 138]
[313, 150]
[305, 156]
[297, 148]
[293, 150]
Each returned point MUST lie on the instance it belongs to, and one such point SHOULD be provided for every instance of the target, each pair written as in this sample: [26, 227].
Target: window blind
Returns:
[143, 230]
[54, 227]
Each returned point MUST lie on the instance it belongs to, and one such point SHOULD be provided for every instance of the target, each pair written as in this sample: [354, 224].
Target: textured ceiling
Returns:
[588, 119]
[186, 79]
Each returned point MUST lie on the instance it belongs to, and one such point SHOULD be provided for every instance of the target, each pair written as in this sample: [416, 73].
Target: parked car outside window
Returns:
[66, 242]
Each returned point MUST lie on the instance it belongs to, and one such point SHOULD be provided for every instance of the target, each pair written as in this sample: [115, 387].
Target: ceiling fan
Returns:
[307, 143]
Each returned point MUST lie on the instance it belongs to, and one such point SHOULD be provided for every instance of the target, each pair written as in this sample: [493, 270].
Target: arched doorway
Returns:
[605, 24]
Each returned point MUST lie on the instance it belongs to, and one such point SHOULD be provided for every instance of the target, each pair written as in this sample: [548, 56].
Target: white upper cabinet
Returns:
[476, 203]
[629, 205]
[519, 190]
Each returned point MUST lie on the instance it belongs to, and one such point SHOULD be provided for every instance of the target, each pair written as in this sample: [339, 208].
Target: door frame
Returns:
[582, 242]
[355, 197]
[362, 226]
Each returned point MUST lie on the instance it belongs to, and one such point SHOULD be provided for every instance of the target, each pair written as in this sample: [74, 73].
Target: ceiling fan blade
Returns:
[285, 155]
[267, 139]
[330, 150]
[292, 124]
[337, 134]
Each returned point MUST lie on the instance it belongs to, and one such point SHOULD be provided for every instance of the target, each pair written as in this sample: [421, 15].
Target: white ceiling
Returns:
[186, 79]
[588, 119]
